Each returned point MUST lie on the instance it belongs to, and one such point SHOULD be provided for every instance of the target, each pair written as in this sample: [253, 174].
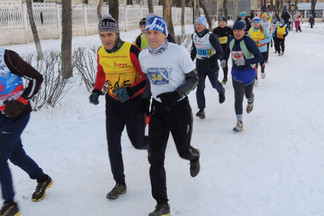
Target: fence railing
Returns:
[15, 27]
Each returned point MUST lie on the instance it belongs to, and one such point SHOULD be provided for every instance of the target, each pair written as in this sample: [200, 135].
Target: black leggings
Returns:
[239, 91]
[280, 45]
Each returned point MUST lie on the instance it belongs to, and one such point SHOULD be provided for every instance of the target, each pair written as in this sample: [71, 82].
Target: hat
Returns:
[256, 20]
[222, 18]
[281, 21]
[264, 15]
[242, 14]
[239, 25]
[202, 20]
[108, 23]
[157, 23]
[142, 21]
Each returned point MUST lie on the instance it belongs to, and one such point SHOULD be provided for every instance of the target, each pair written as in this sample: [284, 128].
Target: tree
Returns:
[66, 45]
[196, 9]
[289, 5]
[225, 8]
[264, 5]
[220, 8]
[313, 4]
[34, 29]
[296, 6]
[206, 14]
[277, 5]
[168, 17]
[271, 5]
[281, 5]
[235, 7]
[99, 8]
[150, 6]
[183, 4]
[114, 9]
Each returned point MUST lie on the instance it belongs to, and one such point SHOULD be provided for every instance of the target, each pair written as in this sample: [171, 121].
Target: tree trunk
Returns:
[34, 29]
[264, 5]
[214, 12]
[225, 9]
[220, 8]
[289, 5]
[281, 5]
[66, 46]
[277, 5]
[206, 14]
[183, 4]
[235, 7]
[296, 6]
[150, 6]
[271, 5]
[168, 17]
[196, 10]
[99, 8]
[114, 9]
[313, 4]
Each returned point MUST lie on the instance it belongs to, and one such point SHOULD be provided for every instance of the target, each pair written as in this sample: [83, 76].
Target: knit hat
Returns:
[202, 20]
[242, 14]
[142, 21]
[108, 23]
[157, 23]
[239, 25]
[222, 18]
[281, 21]
[256, 20]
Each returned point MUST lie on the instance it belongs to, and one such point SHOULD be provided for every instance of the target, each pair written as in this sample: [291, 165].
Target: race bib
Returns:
[204, 52]
[237, 55]
[158, 76]
[223, 40]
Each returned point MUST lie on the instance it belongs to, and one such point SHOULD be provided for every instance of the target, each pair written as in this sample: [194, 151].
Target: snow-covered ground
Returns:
[274, 167]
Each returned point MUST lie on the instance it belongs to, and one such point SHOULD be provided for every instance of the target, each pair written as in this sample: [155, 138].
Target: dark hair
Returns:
[142, 21]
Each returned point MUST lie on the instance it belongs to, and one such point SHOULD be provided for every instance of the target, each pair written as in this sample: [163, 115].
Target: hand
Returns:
[169, 99]
[223, 63]
[144, 105]
[124, 93]
[94, 97]
[239, 62]
[259, 41]
[13, 108]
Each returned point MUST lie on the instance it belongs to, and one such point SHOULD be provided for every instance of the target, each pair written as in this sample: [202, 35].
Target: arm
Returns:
[138, 41]
[193, 51]
[213, 39]
[252, 47]
[267, 39]
[101, 77]
[191, 81]
[18, 66]
[139, 85]
[227, 50]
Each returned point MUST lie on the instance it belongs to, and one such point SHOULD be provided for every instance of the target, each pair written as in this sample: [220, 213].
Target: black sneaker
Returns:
[9, 209]
[201, 114]
[195, 165]
[161, 210]
[222, 96]
[116, 191]
[41, 188]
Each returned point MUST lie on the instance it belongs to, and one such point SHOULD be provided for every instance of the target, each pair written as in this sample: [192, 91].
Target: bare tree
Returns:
[213, 11]
[66, 45]
[281, 5]
[220, 7]
[206, 14]
[196, 9]
[313, 4]
[225, 9]
[183, 4]
[235, 7]
[99, 8]
[296, 6]
[34, 29]
[277, 5]
[114, 9]
[264, 5]
[271, 5]
[150, 6]
[168, 17]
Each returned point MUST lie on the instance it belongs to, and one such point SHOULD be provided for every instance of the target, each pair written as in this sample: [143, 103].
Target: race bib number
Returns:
[158, 76]
[203, 52]
[237, 55]
[223, 40]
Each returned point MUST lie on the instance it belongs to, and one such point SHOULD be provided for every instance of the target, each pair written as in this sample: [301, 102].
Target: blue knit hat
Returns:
[242, 14]
[202, 20]
[256, 20]
[239, 25]
[157, 23]
[222, 18]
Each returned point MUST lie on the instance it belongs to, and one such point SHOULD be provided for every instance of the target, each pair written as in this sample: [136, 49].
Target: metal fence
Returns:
[15, 27]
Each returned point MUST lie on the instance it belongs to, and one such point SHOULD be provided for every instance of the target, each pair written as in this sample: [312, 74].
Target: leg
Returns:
[283, 45]
[114, 127]
[212, 74]
[248, 90]
[158, 138]
[200, 90]
[277, 45]
[238, 96]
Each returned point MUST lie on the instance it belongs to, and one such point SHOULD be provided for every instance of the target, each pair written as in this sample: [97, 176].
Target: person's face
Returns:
[108, 39]
[199, 27]
[222, 24]
[238, 34]
[142, 27]
[243, 17]
[155, 38]
[256, 25]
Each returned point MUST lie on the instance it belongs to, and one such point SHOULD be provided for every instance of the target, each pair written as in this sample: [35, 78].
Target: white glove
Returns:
[223, 63]
[239, 62]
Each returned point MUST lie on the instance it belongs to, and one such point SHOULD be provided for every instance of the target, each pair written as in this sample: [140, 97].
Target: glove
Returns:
[169, 99]
[94, 97]
[144, 105]
[124, 93]
[239, 62]
[13, 108]
[223, 63]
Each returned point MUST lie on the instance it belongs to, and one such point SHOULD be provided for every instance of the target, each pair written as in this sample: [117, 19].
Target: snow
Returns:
[274, 167]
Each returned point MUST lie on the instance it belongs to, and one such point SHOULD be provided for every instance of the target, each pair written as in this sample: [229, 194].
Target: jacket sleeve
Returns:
[213, 39]
[191, 81]
[193, 51]
[101, 77]
[139, 85]
[267, 39]
[18, 66]
[227, 50]
[252, 47]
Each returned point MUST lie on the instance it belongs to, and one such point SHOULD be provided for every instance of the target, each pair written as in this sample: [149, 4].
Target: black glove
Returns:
[13, 108]
[169, 99]
[124, 93]
[144, 105]
[94, 97]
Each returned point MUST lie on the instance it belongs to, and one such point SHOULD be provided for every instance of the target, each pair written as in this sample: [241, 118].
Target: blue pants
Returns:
[119, 115]
[12, 149]
[212, 72]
